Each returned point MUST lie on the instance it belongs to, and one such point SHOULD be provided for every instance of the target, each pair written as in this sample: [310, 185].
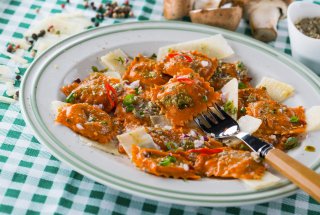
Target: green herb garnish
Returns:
[95, 69]
[171, 145]
[243, 110]
[240, 66]
[242, 85]
[291, 143]
[71, 97]
[120, 60]
[129, 108]
[167, 160]
[128, 100]
[229, 107]
[294, 119]
[205, 98]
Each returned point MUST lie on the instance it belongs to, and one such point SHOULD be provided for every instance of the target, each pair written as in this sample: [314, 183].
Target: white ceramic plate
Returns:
[74, 57]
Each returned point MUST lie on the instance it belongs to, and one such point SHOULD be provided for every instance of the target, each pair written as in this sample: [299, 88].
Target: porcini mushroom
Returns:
[207, 4]
[177, 9]
[263, 16]
[228, 18]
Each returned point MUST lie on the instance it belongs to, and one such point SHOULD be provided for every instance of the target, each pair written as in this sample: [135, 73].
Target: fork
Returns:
[224, 126]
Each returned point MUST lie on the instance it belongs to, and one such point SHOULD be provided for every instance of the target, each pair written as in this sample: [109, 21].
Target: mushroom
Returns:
[228, 18]
[206, 4]
[177, 9]
[263, 16]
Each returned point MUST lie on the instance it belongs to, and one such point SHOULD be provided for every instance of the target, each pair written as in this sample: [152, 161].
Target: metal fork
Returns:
[224, 126]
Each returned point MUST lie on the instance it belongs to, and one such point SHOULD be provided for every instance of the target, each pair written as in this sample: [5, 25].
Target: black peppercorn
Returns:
[41, 33]
[34, 36]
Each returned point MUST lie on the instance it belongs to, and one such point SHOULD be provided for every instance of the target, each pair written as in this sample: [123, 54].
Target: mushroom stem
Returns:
[263, 16]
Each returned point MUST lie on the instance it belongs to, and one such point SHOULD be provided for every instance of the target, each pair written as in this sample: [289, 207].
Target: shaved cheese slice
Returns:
[7, 100]
[160, 120]
[10, 89]
[249, 124]
[113, 74]
[139, 137]
[278, 90]
[230, 94]
[115, 60]
[266, 181]
[215, 46]
[56, 106]
[111, 147]
[4, 70]
[313, 118]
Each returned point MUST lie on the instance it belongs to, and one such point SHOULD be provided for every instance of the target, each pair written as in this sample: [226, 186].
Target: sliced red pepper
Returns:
[205, 151]
[185, 80]
[111, 91]
[186, 57]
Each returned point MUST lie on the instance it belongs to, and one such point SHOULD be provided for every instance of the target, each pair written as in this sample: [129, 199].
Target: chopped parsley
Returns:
[242, 85]
[71, 97]
[167, 160]
[240, 66]
[243, 110]
[291, 143]
[229, 107]
[95, 69]
[205, 98]
[171, 145]
[128, 102]
[120, 60]
[294, 119]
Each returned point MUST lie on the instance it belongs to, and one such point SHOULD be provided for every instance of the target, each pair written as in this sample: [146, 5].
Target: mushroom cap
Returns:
[228, 18]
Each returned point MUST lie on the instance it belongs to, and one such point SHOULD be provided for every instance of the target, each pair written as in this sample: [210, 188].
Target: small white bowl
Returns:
[304, 48]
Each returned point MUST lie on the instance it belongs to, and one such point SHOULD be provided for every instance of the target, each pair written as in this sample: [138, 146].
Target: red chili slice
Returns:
[185, 80]
[186, 57]
[205, 151]
[111, 94]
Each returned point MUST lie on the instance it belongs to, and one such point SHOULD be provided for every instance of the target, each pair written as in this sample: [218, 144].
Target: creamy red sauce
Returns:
[178, 89]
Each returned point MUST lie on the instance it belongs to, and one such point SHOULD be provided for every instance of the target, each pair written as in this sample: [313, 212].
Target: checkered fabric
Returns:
[32, 181]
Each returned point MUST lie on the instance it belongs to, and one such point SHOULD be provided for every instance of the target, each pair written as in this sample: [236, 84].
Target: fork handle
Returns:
[302, 176]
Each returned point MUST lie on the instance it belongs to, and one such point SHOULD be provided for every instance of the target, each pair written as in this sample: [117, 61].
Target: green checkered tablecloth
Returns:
[32, 181]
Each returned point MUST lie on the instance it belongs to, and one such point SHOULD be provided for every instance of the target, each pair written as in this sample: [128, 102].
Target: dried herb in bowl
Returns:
[309, 27]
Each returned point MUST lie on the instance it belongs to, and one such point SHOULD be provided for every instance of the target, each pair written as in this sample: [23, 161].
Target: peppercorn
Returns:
[93, 19]
[92, 4]
[17, 94]
[68, 1]
[34, 36]
[96, 24]
[94, 8]
[18, 77]
[10, 48]
[41, 33]
[63, 6]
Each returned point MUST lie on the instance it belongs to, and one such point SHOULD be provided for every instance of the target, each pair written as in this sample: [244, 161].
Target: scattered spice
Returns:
[18, 77]
[10, 48]
[63, 6]
[309, 27]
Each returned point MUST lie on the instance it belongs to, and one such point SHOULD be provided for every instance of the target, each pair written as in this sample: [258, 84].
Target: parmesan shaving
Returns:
[230, 94]
[115, 60]
[215, 46]
[313, 118]
[277, 90]
[266, 181]
[7, 100]
[139, 137]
